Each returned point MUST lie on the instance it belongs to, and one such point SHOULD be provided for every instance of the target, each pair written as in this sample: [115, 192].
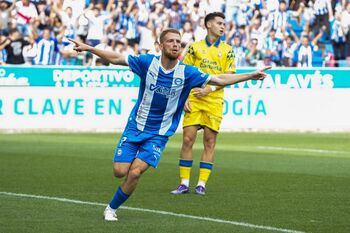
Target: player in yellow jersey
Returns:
[204, 107]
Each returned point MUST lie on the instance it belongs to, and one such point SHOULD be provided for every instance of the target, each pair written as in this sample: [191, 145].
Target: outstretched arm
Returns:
[229, 79]
[112, 57]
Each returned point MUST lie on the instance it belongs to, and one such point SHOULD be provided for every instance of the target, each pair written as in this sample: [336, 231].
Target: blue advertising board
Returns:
[291, 78]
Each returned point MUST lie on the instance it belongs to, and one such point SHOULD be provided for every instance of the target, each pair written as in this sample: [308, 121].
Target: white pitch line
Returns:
[243, 224]
[302, 150]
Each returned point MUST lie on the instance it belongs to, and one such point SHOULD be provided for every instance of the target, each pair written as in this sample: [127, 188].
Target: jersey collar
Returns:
[165, 70]
[216, 44]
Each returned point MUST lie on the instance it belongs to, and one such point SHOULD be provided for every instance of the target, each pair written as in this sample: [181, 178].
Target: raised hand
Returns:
[79, 46]
[260, 74]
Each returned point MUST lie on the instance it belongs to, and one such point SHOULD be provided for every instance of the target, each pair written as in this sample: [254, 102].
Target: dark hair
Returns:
[212, 16]
[13, 30]
[166, 31]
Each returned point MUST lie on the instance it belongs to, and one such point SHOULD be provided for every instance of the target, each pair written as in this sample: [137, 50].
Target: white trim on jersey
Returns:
[171, 107]
[145, 105]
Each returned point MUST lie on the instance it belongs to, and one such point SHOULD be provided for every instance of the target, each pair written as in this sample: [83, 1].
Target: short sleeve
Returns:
[196, 78]
[137, 64]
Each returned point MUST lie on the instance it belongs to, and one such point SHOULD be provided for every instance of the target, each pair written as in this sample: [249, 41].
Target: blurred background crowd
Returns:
[301, 33]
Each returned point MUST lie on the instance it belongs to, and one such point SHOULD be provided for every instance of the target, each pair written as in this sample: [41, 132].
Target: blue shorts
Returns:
[138, 144]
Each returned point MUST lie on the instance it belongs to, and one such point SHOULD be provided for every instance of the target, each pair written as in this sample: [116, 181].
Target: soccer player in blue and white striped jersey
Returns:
[165, 85]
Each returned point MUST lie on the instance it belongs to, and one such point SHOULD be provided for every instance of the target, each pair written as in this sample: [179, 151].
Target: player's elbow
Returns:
[118, 61]
[218, 81]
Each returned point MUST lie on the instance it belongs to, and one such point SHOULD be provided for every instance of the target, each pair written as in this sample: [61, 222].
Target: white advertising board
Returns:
[107, 109]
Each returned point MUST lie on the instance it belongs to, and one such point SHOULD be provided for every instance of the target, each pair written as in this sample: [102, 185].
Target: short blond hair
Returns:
[166, 31]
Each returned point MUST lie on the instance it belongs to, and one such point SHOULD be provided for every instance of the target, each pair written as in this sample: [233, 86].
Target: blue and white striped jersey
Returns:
[320, 7]
[46, 51]
[162, 93]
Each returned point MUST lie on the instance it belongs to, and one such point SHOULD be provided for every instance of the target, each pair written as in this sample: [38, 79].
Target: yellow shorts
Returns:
[208, 114]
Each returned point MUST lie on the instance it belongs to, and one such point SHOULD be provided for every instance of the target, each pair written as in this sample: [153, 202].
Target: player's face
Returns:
[217, 26]
[171, 46]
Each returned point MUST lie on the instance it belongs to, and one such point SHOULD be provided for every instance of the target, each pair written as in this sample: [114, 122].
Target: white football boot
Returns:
[110, 214]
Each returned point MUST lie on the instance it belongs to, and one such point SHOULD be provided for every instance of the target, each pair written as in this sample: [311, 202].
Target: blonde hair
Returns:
[166, 31]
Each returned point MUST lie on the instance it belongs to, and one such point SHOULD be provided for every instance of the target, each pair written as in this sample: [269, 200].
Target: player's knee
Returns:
[209, 143]
[135, 174]
[188, 141]
[119, 172]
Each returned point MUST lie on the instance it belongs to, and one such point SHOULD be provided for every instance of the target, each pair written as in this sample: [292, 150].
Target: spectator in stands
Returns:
[26, 13]
[13, 46]
[288, 48]
[200, 31]
[279, 19]
[96, 24]
[304, 16]
[239, 50]
[122, 47]
[187, 33]
[273, 47]
[156, 50]
[272, 5]
[175, 15]
[147, 37]
[65, 55]
[68, 22]
[117, 19]
[47, 48]
[42, 21]
[254, 56]
[231, 10]
[303, 53]
[82, 26]
[130, 24]
[244, 13]
[338, 37]
[194, 15]
[143, 12]
[104, 46]
[346, 23]
[77, 6]
[322, 10]
[5, 15]
[259, 30]
[158, 16]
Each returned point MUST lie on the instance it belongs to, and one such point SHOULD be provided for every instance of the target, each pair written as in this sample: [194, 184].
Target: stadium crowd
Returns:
[302, 33]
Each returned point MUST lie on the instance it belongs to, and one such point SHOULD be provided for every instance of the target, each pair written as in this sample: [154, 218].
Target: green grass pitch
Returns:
[278, 181]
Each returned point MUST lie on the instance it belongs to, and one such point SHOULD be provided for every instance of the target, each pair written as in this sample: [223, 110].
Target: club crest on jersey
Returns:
[219, 54]
[178, 81]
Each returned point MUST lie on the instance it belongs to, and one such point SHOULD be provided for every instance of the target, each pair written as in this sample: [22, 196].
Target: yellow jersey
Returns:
[216, 58]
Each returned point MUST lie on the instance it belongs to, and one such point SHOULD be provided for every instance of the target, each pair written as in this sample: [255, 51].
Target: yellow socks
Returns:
[204, 173]
[185, 171]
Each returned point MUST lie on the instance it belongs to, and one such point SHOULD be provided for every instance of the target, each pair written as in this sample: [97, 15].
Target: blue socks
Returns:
[119, 198]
